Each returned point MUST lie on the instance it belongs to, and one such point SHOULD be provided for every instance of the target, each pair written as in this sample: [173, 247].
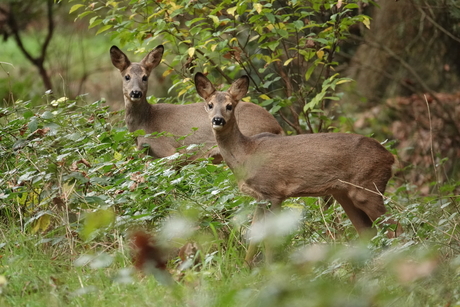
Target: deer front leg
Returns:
[257, 217]
[261, 216]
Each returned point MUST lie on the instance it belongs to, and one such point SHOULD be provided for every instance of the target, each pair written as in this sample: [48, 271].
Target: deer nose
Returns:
[218, 121]
[135, 94]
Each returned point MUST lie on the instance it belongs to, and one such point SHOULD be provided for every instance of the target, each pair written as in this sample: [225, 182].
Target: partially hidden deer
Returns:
[352, 168]
[176, 121]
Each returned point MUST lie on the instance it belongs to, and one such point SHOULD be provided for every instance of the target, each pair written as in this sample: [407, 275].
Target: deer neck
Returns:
[233, 145]
[137, 113]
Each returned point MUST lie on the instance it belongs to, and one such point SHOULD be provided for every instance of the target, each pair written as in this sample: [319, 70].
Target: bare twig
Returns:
[437, 25]
[431, 145]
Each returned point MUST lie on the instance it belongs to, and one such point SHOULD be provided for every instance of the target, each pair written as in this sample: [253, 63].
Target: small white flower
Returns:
[56, 102]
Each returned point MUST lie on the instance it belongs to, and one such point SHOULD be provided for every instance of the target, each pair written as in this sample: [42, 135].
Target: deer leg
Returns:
[269, 245]
[358, 217]
[260, 216]
[252, 248]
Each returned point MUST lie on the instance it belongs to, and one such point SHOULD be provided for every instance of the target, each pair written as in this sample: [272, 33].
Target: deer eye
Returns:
[144, 78]
[127, 78]
[210, 106]
[229, 107]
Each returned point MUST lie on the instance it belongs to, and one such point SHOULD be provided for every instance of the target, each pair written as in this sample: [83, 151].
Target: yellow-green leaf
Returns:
[264, 97]
[183, 91]
[42, 223]
[215, 19]
[320, 54]
[117, 156]
[258, 7]
[208, 41]
[167, 72]
[191, 51]
[112, 3]
[75, 7]
[286, 63]
[103, 29]
[293, 206]
[367, 22]
[344, 81]
[231, 10]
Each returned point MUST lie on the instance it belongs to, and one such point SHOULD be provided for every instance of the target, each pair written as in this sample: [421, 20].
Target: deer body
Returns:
[177, 121]
[274, 168]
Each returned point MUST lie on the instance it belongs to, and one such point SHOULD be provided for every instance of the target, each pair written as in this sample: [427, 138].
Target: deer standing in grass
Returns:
[352, 168]
[177, 121]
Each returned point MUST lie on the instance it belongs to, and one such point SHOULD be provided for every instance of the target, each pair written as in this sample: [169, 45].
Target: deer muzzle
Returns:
[135, 95]
[218, 122]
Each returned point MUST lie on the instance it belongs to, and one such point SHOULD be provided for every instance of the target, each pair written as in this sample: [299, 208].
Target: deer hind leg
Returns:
[372, 204]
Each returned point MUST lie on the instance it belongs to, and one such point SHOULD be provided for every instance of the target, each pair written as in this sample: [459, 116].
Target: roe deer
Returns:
[352, 168]
[176, 121]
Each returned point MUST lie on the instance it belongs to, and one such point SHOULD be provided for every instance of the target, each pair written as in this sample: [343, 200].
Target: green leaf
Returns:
[96, 220]
[33, 125]
[80, 16]
[298, 24]
[270, 17]
[28, 114]
[75, 7]
[309, 72]
[47, 115]
[351, 6]
[94, 22]
[94, 200]
[241, 8]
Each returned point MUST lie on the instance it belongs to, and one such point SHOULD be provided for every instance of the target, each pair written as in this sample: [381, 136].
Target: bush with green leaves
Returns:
[287, 48]
[62, 161]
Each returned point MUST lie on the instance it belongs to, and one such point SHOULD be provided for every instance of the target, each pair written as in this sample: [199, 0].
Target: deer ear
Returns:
[203, 86]
[119, 59]
[153, 58]
[239, 88]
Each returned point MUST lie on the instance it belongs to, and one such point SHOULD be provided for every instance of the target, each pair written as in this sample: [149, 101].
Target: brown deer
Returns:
[176, 121]
[352, 168]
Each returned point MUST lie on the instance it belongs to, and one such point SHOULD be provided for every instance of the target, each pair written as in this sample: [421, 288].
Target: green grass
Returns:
[56, 209]
[40, 274]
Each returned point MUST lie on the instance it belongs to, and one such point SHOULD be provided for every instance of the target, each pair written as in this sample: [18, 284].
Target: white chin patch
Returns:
[135, 99]
[217, 127]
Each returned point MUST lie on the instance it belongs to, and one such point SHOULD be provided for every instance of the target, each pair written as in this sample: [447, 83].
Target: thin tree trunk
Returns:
[39, 60]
